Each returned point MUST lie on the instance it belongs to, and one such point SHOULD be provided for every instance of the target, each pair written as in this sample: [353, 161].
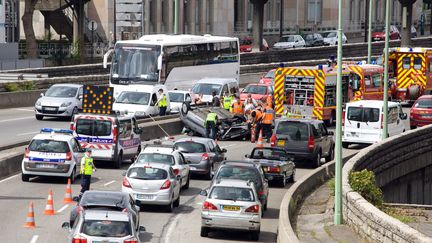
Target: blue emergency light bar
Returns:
[52, 130]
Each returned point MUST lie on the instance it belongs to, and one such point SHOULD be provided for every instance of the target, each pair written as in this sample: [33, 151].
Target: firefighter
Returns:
[238, 108]
[210, 125]
[227, 101]
[267, 121]
[269, 100]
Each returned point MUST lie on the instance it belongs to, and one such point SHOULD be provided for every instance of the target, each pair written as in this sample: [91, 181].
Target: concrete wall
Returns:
[19, 99]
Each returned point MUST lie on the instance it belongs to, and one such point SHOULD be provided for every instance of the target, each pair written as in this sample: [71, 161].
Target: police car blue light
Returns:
[51, 130]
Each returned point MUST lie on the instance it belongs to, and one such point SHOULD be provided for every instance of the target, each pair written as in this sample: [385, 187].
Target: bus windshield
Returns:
[135, 64]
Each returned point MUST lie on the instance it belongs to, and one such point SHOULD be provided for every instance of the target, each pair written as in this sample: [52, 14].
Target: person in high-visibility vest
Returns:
[267, 122]
[227, 102]
[210, 125]
[162, 103]
[269, 100]
[257, 116]
[237, 108]
[86, 170]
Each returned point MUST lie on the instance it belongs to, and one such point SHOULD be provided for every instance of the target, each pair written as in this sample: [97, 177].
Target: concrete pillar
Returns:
[182, 18]
[146, 17]
[79, 37]
[158, 23]
[211, 18]
[75, 30]
[203, 16]
[257, 23]
[170, 16]
[47, 28]
[192, 16]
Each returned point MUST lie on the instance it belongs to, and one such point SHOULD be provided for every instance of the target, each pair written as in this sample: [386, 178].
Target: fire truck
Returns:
[410, 70]
[311, 91]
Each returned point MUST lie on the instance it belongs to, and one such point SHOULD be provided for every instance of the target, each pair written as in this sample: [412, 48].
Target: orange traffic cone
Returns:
[260, 143]
[68, 194]
[49, 208]
[30, 220]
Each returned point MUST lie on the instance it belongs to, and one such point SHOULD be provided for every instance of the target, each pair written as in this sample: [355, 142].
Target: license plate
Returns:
[231, 208]
[144, 196]
[281, 142]
[376, 38]
[427, 116]
[50, 108]
[49, 166]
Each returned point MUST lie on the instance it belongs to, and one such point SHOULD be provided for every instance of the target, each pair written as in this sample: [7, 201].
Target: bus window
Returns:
[406, 63]
[430, 65]
[417, 63]
[367, 80]
[376, 79]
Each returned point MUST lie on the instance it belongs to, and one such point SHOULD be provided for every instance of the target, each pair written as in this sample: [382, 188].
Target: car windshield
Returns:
[47, 145]
[190, 147]
[206, 89]
[106, 228]
[232, 193]
[289, 38]
[93, 127]
[147, 173]
[239, 172]
[295, 130]
[255, 89]
[136, 98]
[363, 114]
[176, 97]
[158, 158]
[245, 42]
[99, 198]
[423, 103]
[330, 35]
[61, 92]
[379, 29]
[270, 74]
[270, 154]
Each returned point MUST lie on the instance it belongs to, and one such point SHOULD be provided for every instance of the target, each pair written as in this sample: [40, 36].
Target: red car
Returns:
[379, 33]
[421, 112]
[268, 78]
[246, 44]
[257, 91]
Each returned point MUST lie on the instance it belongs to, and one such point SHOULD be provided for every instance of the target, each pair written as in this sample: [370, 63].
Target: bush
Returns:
[331, 185]
[12, 87]
[363, 182]
[26, 85]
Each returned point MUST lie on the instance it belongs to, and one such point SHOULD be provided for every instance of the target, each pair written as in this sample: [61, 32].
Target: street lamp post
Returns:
[386, 66]
[176, 16]
[338, 154]
[371, 3]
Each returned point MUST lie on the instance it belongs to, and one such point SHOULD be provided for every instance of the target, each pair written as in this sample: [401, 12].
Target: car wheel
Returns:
[176, 203]
[204, 231]
[186, 186]
[282, 182]
[185, 108]
[317, 160]
[209, 174]
[345, 145]
[170, 206]
[72, 176]
[255, 235]
[292, 177]
[39, 117]
[25, 177]
[75, 111]
[119, 161]
[330, 156]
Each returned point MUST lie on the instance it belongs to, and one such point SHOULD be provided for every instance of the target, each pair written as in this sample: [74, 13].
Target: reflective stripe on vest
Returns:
[211, 117]
[163, 101]
[238, 108]
[88, 166]
[227, 102]
[268, 116]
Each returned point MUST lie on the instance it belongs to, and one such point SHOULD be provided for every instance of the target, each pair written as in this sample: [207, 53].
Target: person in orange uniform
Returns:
[267, 121]
[237, 108]
[269, 100]
[257, 116]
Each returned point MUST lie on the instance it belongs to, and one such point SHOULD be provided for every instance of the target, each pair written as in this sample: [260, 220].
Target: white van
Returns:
[220, 85]
[363, 121]
[140, 100]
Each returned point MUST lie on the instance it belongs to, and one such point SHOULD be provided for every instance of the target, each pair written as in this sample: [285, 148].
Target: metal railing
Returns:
[64, 50]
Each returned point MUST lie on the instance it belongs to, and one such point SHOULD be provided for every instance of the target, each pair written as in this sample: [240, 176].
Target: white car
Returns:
[231, 204]
[53, 152]
[177, 98]
[363, 121]
[331, 38]
[290, 41]
[153, 183]
[166, 154]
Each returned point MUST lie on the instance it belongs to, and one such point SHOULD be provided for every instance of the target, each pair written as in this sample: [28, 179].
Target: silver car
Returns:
[60, 100]
[153, 183]
[103, 226]
[231, 204]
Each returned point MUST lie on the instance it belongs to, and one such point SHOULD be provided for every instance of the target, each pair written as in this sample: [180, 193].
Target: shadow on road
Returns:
[241, 236]
[191, 191]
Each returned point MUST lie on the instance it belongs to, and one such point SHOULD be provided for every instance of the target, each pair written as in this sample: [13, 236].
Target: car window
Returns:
[158, 158]
[131, 97]
[323, 129]
[295, 130]
[271, 154]
[125, 129]
[363, 114]
[376, 78]
[93, 127]
[90, 198]
[225, 89]
[190, 147]
[75, 145]
[423, 103]
[232, 193]
[406, 63]
[417, 63]
[154, 99]
[106, 228]
[367, 80]
[240, 173]
[171, 173]
[181, 159]
[48, 145]
[316, 132]
[188, 98]
[176, 97]
[393, 115]
[61, 92]
[211, 146]
[147, 173]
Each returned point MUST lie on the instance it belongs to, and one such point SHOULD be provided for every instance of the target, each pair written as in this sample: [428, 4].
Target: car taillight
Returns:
[115, 134]
[72, 126]
[311, 144]
[253, 209]
[69, 156]
[209, 206]
[131, 240]
[205, 157]
[176, 171]
[382, 121]
[343, 118]
[273, 140]
[79, 239]
[126, 183]
[274, 169]
[166, 185]
[26, 153]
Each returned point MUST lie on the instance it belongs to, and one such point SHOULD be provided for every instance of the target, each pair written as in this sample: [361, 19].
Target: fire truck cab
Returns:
[367, 81]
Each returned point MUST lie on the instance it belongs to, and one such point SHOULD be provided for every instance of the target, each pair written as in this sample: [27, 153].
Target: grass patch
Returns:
[328, 232]
[331, 185]
[313, 234]
[399, 215]
[21, 86]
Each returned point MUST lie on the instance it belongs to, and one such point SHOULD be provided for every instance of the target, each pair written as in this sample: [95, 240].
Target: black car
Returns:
[106, 200]
[277, 164]
[305, 139]
[313, 39]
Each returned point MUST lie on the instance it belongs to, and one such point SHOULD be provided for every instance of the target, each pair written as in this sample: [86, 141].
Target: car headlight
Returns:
[66, 104]
[38, 103]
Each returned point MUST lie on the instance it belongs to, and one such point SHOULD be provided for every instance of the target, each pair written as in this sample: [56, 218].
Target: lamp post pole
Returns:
[386, 66]
[371, 3]
[176, 16]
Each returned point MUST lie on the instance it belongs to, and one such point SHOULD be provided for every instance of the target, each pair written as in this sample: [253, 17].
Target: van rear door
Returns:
[363, 124]
[293, 136]
[96, 133]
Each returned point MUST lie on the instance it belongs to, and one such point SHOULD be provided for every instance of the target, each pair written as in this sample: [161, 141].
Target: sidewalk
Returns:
[315, 220]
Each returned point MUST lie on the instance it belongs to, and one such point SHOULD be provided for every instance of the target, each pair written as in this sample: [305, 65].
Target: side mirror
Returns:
[41, 94]
[66, 225]
[80, 97]
[159, 62]
[75, 199]
[178, 177]
[224, 150]
[404, 116]
[141, 229]
[203, 193]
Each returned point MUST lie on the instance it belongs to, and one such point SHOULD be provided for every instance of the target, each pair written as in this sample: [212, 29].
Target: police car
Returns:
[53, 152]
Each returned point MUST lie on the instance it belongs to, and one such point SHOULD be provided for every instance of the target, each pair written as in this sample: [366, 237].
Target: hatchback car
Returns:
[313, 39]
[103, 226]
[290, 41]
[331, 38]
[153, 183]
[257, 91]
[305, 139]
[60, 100]
[177, 98]
[231, 204]
[421, 112]
[245, 170]
[268, 78]
[106, 200]
[379, 33]
[203, 155]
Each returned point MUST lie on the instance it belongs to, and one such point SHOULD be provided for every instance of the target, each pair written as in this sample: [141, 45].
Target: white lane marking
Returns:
[22, 109]
[109, 183]
[26, 133]
[17, 119]
[227, 146]
[10, 177]
[34, 239]
[63, 208]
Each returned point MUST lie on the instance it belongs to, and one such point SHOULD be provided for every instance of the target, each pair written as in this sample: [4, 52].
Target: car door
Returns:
[153, 109]
[135, 211]
[393, 121]
[77, 152]
[126, 137]
[318, 137]
[175, 182]
[326, 139]
[80, 97]
[183, 166]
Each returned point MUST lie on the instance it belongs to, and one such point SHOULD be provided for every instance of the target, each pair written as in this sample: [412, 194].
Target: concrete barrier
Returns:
[19, 99]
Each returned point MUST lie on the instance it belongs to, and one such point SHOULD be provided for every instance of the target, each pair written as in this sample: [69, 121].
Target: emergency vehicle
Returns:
[410, 70]
[111, 136]
[53, 152]
[311, 91]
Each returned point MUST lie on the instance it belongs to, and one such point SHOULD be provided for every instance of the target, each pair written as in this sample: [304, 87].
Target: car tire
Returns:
[119, 161]
[209, 174]
[282, 182]
[204, 231]
[185, 108]
[330, 156]
[25, 177]
[345, 145]
[186, 186]
[176, 203]
[72, 176]
[170, 207]
[39, 117]
[74, 112]
[317, 160]
[292, 177]
[255, 235]
[138, 152]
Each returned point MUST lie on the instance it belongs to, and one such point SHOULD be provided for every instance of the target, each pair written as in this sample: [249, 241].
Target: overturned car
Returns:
[228, 127]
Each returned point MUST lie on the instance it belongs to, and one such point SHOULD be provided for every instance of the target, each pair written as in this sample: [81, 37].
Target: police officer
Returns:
[210, 125]
[86, 170]
[227, 101]
[162, 102]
